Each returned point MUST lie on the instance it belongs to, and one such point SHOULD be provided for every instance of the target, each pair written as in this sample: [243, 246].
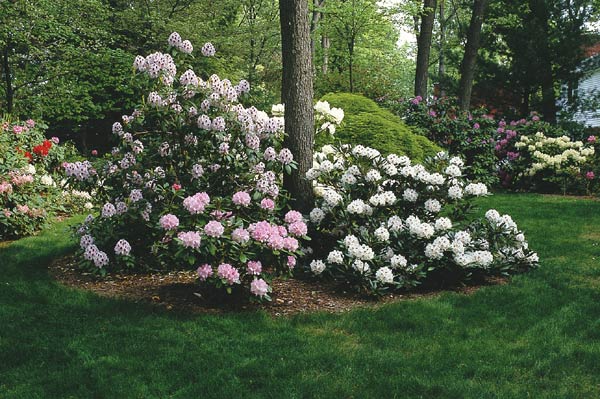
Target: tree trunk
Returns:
[9, 93]
[467, 66]
[314, 24]
[442, 43]
[540, 12]
[325, 44]
[525, 102]
[297, 95]
[351, 64]
[424, 47]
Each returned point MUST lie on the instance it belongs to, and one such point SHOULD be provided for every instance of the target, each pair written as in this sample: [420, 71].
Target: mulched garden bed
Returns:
[178, 291]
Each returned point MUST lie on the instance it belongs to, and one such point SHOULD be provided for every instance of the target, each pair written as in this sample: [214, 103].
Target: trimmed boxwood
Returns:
[368, 124]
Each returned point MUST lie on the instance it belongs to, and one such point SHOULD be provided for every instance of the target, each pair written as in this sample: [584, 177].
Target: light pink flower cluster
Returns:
[204, 272]
[197, 203]
[169, 221]
[259, 287]
[267, 204]
[240, 235]
[214, 229]
[254, 267]
[189, 239]
[19, 179]
[6, 187]
[241, 198]
[275, 237]
[229, 273]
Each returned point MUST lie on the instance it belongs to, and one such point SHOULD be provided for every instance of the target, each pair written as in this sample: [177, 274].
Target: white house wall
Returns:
[591, 83]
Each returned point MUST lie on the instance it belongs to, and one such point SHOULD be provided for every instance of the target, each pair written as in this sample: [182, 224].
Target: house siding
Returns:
[590, 83]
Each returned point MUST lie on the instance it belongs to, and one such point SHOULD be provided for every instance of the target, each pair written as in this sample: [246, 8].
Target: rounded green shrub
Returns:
[368, 124]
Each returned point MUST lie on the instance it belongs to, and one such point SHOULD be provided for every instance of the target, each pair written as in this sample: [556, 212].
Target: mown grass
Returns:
[537, 337]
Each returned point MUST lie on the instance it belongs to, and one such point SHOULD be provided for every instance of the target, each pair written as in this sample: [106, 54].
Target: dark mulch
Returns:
[178, 291]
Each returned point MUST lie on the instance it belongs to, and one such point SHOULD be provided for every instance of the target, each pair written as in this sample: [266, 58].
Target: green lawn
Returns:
[537, 337]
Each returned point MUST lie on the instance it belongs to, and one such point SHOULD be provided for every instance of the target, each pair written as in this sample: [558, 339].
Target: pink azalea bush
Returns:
[195, 182]
[30, 187]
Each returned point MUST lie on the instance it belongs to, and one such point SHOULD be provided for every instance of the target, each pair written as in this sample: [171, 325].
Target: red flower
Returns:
[43, 149]
[28, 156]
[176, 186]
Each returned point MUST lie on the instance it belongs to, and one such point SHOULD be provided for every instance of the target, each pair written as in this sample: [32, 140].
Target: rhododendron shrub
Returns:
[538, 162]
[390, 224]
[30, 189]
[195, 182]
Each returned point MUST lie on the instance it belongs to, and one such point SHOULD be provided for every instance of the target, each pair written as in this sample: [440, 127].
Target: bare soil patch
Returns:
[178, 291]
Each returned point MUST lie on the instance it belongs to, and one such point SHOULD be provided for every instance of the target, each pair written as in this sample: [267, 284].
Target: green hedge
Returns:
[368, 124]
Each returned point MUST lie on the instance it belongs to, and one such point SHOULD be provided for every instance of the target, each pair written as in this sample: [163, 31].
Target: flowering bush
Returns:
[392, 224]
[466, 134]
[195, 182]
[557, 160]
[29, 192]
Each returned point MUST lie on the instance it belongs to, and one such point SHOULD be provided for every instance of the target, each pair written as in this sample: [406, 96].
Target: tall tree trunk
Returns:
[351, 64]
[9, 93]
[525, 102]
[441, 45]
[424, 47]
[325, 44]
[297, 95]
[314, 24]
[540, 12]
[467, 66]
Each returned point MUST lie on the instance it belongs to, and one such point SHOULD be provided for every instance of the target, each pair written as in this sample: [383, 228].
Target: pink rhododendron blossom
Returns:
[214, 229]
[298, 228]
[590, 175]
[267, 204]
[240, 235]
[241, 198]
[169, 222]
[229, 273]
[204, 272]
[196, 204]
[591, 139]
[259, 287]
[290, 244]
[189, 239]
[291, 261]
[254, 267]
[292, 217]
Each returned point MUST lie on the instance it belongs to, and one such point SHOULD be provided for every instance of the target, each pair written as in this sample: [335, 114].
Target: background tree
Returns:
[467, 66]
[424, 47]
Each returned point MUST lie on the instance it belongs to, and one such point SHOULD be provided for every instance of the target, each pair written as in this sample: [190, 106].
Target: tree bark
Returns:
[351, 64]
[540, 12]
[325, 44]
[297, 95]
[424, 47]
[314, 24]
[442, 43]
[9, 93]
[467, 66]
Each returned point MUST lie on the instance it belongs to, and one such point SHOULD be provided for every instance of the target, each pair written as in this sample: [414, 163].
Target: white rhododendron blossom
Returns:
[558, 155]
[394, 224]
